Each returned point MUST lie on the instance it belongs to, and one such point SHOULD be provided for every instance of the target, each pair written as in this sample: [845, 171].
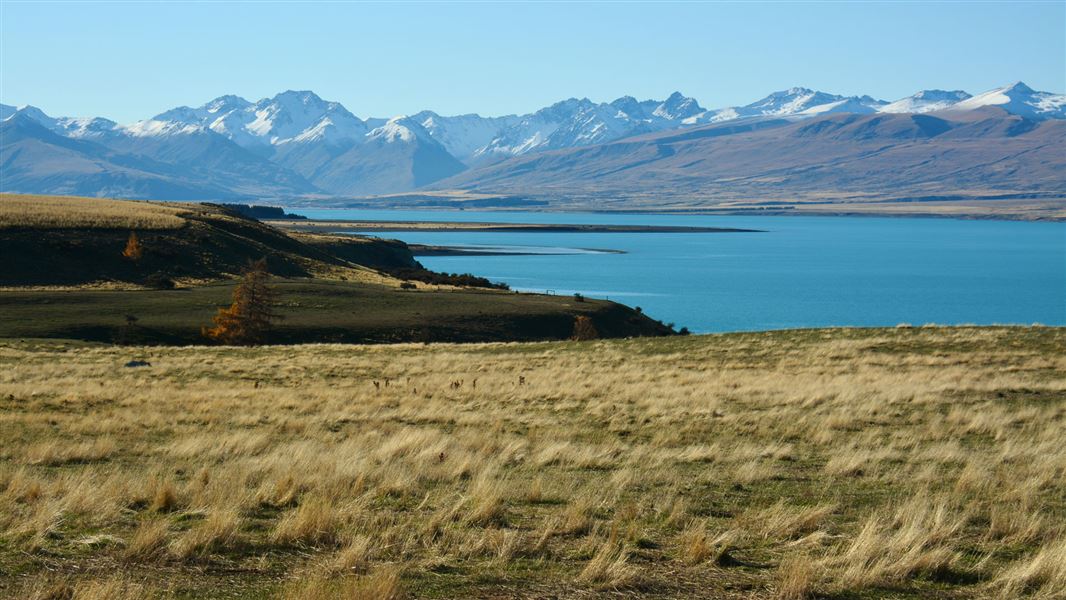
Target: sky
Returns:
[131, 60]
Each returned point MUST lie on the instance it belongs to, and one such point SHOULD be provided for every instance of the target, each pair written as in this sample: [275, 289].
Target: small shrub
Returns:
[407, 285]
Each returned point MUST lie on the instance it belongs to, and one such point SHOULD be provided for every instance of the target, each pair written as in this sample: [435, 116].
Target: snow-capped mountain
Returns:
[72, 127]
[925, 101]
[573, 123]
[298, 143]
[324, 143]
[157, 128]
[675, 108]
[206, 114]
[532, 131]
[894, 156]
[192, 163]
[400, 129]
[1019, 99]
[860, 105]
[88, 127]
[289, 117]
[400, 155]
[303, 117]
[789, 102]
[793, 102]
[462, 135]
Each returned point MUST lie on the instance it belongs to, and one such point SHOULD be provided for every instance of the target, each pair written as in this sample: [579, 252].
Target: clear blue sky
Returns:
[127, 60]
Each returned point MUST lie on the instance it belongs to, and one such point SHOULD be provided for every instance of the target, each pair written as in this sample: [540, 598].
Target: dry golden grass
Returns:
[70, 212]
[885, 463]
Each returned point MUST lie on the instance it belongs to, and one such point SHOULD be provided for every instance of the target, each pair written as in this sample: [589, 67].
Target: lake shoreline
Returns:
[442, 250]
[366, 226]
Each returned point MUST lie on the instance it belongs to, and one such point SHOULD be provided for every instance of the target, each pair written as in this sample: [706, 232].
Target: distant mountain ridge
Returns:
[981, 153]
[297, 144]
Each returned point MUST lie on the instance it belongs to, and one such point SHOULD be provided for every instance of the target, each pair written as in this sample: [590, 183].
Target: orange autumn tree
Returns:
[248, 319]
[133, 249]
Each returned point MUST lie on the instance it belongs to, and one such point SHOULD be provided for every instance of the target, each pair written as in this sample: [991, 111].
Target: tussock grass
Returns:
[609, 568]
[919, 462]
[148, 542]
[73, 212]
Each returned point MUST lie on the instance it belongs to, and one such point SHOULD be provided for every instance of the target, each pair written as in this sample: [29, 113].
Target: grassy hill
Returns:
[75, 241]
[891, 463]
[65, 276]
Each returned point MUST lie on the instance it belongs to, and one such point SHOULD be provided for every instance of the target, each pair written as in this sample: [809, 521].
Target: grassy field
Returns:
[897, 463]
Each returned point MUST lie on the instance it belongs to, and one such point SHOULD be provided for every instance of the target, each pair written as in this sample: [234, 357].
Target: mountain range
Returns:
[297, 145]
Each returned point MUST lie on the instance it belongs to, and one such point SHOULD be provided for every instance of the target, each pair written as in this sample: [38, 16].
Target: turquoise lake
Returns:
[799, 272]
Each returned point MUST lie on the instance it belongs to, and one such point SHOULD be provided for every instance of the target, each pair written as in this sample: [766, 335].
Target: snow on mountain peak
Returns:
[398, 129]
[87, 127]
[788, 102]
[289, 117]
[73, 127]
[294, 116]
[925, 101]
[36, 114]
[153, 127]
[1019, 99]
[677, 106]
[280, 126]
[463, 135]
[225, 104]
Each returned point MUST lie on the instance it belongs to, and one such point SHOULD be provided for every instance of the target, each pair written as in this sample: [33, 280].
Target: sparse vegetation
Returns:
[918, 462]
